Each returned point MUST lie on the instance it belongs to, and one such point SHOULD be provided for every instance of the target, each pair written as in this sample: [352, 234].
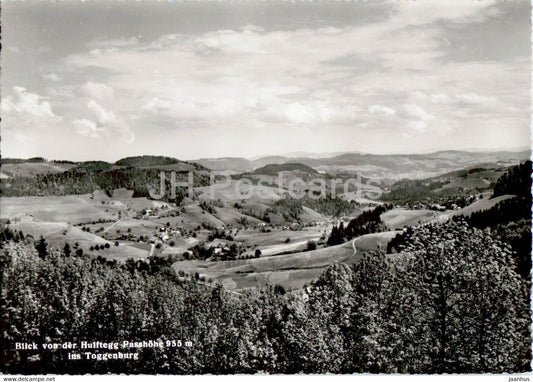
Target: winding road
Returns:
[353, 254]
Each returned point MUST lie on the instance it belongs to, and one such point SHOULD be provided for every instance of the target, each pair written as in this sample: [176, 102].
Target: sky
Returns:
[105, 80]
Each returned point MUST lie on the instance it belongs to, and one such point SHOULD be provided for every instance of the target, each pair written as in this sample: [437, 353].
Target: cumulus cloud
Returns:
[300, 78]
[379, 109]
[107, 125]
[89, 129]
[374, 77]
[299, 113]
[474, 98]
[51, 77]
[28, 122]
[98, 91]
[261, 78]
[104, 116]
[156, 105]
[416, 112]
[27, 104]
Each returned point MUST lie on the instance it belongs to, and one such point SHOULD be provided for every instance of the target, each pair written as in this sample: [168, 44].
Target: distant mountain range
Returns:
[385, 167]
[394, 166]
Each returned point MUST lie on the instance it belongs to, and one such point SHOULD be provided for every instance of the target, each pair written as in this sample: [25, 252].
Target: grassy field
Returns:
[57, 234]
[77, 208]
[73, 208]
[397, 218]
[291, 271]
[284, 259]
[277, 236]
[30, 169]
[233, 192]
[374, 241]
[480, 205]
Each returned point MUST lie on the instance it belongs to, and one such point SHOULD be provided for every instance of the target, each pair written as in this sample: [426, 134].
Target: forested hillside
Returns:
[367, 222]
[451, 302]
[137, 174]
[517, 181]
[275, 169]
[508, 221]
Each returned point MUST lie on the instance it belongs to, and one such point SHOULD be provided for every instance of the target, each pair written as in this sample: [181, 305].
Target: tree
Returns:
[458, 291]
[279, 289]
[66, 250]
[41, 247]
[311, 245]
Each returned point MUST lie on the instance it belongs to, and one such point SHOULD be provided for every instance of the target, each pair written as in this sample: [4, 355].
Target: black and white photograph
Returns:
[194, 188]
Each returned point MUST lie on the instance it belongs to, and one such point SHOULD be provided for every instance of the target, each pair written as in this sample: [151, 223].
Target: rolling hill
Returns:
[275, 169]
[394, 166]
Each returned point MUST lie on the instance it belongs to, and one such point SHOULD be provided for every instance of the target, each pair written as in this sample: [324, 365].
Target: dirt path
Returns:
[108, 228]
[353, 254]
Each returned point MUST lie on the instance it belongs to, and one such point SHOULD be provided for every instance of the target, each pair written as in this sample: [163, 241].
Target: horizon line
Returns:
[295, 155]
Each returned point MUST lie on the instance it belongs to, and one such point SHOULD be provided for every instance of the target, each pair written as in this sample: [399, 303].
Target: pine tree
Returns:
[66, 250]
[42, 248]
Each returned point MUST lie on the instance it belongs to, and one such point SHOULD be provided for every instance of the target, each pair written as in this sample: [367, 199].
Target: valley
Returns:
[248, 229]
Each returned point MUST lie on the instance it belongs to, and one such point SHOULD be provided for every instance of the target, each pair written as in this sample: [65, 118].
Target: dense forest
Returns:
[275, 169]
[516, 181]
[508, 221]
[367, 222]
[92, 176]
[451, 302]
[451, 190]
[292, 208]
[139, 174]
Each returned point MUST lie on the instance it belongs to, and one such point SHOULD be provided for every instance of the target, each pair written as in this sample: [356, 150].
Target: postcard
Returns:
[265, 188]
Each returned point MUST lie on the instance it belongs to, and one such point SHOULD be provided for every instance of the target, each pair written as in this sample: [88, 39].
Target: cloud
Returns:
[416, 125]
[59, 93]
[233, 80]
[427, 12]
[156, 105]
[98, 91]
[107, 125]
[434, 98]
[114, 43]
[104, 117]
[416, 112]
[28, 123]
[89, 129]
[475, 98]
[26, 104]
[379, 109]
[300, 113]
[387, 76]
[51, 77]
[263, 78]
